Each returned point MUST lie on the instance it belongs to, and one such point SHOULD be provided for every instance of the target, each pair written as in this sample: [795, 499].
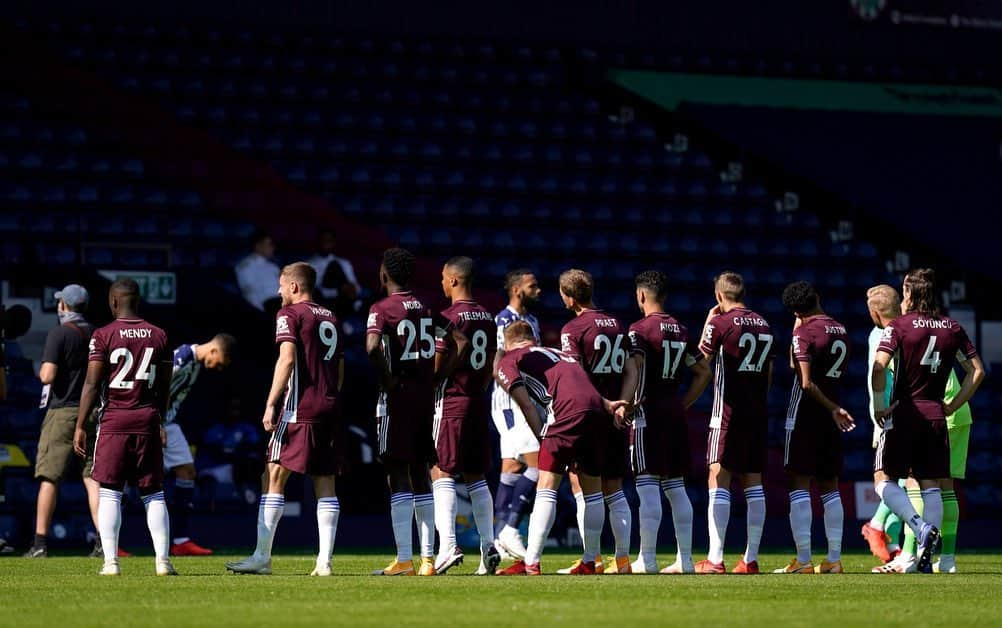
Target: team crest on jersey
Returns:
[282, 325]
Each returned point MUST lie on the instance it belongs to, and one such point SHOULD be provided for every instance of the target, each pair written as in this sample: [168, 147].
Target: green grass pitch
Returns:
[65, 591]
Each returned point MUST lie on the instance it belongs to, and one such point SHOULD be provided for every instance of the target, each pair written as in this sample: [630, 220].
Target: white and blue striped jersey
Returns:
[186, 370]
[501, 400]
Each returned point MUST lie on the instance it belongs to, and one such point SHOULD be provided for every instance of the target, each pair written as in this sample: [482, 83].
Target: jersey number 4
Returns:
[145, 373]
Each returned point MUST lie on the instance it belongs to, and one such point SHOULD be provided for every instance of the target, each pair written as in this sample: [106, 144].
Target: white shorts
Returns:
[516, 435]
[177, 452]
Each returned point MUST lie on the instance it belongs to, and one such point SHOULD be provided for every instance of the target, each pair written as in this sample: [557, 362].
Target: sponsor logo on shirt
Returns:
[282, 325]
[565, 342]
[372, 320]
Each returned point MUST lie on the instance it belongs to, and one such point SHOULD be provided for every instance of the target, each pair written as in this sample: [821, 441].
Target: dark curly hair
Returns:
[800, 297]
[399, 265]
[653, 281]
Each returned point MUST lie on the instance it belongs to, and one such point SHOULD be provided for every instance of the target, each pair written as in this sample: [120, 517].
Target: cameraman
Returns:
[64, 367]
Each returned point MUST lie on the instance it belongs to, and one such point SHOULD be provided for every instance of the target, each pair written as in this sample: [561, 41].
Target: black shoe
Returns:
[37, 552]
[98, 551]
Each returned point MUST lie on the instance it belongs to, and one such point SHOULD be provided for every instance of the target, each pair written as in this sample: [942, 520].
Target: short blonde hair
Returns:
[884, 300]
[731, 285]
[302, 274]
[517, 332]
[577, 284]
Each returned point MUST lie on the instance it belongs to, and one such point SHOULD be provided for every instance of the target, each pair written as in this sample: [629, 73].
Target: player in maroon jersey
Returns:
[305, 431]
[599, 342]
[814, 422]
[659, 439]
[740, 342]
[462, 415]
[571, 437]
[924, 344]
[130, 367]
[400, 340]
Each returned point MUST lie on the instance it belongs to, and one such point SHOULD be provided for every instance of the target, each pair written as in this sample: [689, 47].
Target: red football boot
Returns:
[746, 568]
[189, 548]
[877, 540]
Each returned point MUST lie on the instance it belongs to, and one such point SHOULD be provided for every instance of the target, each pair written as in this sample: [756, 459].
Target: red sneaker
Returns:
[706, 566]
[517, 569]
[746, 568]
[583, 569]
[123, 554]
[189, 548]
[533, 570]
[877, 541]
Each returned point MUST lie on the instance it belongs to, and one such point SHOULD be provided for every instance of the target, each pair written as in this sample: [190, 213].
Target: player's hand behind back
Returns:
[882, 415]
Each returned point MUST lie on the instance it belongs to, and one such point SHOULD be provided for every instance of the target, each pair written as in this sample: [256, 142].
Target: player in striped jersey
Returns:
[659, 439]
[189, 360]
[519, 446]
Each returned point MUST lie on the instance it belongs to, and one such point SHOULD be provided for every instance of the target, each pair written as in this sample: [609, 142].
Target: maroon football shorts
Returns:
[462, 435]
[136, 459]
[576, 444]
[914, 445]
[813, 447]
[661, 447]
[308, 448]
[406, 432]
[739, 446]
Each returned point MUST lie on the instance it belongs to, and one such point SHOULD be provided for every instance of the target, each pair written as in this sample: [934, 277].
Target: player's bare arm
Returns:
[974, 374]
[521, 396]
[280, 380]
[374, 349]
[839, 414]
[878, 384]
[701, 377]
[88, 399]
[457, 344]
[631, 381]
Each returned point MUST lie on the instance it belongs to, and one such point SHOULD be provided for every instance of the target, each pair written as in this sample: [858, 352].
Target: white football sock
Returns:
[269, 514]
[801, 518]
[109, 521]
[579, 513]
[621, 522]
[158, 521]
[649, 512]
[424, 514]
[834, 518]
[401, 515]
[483, 511]
[932, 512]
[445, 514]
[719, 512]
[544, 512]
[897, 500]
[594, 519]
[755, 499]
[681, 515]
[328, 513]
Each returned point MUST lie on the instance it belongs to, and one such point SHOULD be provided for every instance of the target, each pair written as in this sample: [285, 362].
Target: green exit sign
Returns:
[154, 287]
